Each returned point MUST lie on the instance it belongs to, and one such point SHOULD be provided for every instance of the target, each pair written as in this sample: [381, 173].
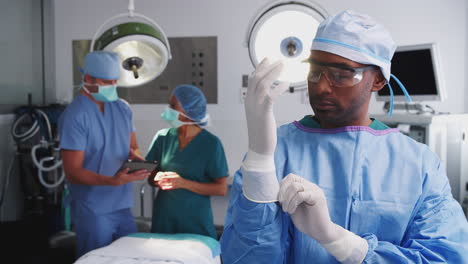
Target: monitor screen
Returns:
[417, 68]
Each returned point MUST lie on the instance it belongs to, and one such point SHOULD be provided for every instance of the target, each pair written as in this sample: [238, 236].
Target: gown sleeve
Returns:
[254, 232]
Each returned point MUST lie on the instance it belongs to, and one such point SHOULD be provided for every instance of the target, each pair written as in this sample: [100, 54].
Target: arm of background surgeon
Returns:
[218, 187]
[135, 152]
[437, 233]
[75, 173]
[253, 232]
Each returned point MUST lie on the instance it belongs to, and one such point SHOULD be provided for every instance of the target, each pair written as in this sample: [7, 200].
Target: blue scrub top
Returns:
[104, 137]
[202, 160]
[379, 184]
[310, 122]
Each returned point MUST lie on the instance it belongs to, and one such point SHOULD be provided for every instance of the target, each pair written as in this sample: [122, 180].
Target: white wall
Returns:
[49, 52]
[465, 55]
[411, 22]
[20, 74]
[12, 204]
[20, 43]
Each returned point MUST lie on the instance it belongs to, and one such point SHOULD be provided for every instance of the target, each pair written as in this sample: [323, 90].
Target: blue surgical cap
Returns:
[102, 64]
[192, 100]
[356, 37]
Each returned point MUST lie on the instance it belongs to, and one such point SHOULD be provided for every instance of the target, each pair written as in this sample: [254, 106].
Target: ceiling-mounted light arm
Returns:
[131, 14]
[131, 8]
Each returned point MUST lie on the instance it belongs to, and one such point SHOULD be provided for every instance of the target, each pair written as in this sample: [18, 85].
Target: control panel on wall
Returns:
[194, 61]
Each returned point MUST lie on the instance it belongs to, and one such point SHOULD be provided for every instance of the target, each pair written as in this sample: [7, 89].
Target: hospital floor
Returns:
[27, 242]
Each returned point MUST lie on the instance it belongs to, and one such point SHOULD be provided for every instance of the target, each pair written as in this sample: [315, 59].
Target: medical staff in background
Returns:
[96, 136]
[193, 167]
[338, 186]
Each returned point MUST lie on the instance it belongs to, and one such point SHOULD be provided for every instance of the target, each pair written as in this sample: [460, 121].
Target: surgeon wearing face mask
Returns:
[192, 163]
[96, 136]
[338, 186]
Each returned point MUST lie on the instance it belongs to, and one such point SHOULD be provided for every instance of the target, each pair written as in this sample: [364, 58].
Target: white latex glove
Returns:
[261, 122]
[259, 181]
[307, 205]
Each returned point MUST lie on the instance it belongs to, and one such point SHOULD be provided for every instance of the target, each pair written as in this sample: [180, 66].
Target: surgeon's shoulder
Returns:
[123, 104]
[429, 162]
[406, 140]
[287, 130]
[78, 107]
[163, 132]
[413, 149]
[123, 107]
[161, 135]
[210, 138]
[75, 112]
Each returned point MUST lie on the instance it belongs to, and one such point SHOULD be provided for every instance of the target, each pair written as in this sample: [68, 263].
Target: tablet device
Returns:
[135, 165]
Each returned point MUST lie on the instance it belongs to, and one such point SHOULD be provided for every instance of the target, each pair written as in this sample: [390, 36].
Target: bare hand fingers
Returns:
[168, 175]
[124, 170]
[165, 185]
[140, 172]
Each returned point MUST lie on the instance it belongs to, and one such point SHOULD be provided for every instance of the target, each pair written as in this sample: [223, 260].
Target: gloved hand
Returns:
[261, 122]
[305, 202]
[259, 176]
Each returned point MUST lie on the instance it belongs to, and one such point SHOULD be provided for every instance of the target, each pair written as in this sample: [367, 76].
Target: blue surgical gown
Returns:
[379, 184]
[202, 160]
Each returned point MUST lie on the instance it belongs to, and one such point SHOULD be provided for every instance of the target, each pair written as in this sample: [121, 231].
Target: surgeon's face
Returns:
[93, 83]
[336, 105]
[175, 104]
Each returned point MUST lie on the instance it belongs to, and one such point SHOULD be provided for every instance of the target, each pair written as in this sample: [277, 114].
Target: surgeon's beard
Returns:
[355, 114]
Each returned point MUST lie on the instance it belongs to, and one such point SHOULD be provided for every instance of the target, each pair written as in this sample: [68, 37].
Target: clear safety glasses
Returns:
[337, 75]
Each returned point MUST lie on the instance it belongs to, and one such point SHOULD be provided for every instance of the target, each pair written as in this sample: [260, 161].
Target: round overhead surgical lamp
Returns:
[283, 30]
[143, 47]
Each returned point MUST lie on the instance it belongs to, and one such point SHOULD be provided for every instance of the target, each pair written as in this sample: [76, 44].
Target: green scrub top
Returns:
[202, 160]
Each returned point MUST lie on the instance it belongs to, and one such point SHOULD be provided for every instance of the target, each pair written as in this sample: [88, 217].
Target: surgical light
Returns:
[143, 47]
[283, 30]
